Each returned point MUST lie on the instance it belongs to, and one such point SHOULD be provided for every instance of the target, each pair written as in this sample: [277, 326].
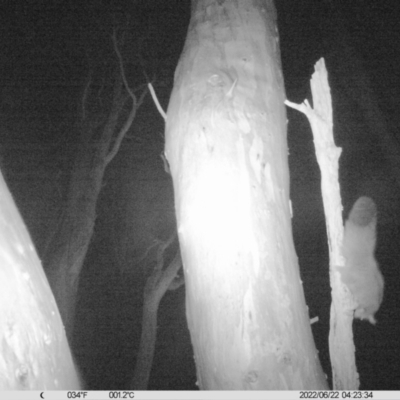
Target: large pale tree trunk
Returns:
[34, 349]
[227, 150]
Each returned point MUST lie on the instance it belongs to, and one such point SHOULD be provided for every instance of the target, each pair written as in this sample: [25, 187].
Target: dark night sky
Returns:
[46, 51]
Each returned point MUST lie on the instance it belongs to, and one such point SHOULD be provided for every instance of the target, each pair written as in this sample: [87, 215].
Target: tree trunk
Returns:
[35, 354]
[227, 150]
[341, 345]
[157, 284]
[67, 250]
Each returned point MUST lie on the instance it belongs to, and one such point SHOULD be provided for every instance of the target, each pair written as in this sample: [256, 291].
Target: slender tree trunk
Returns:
[160, 280]
[147, 346]
[341, 344]
[67, 250]
[34, 349]
[227, 150]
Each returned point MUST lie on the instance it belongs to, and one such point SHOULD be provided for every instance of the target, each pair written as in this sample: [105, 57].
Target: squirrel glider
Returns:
[361, 273]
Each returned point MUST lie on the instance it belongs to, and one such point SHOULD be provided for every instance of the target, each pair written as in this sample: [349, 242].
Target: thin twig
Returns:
[125, 128]
[156, 102]
[136, 104]
[121, 66]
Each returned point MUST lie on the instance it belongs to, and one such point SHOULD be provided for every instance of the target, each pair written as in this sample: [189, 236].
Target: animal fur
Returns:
[361, 273]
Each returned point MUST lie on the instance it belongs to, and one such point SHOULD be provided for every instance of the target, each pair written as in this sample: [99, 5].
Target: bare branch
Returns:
[125, 128]
[121, 66]
[163, 279]
[160, 253]
[136, 103]
[141, 258]
[169, 274]
[177, 282]
[156, 102]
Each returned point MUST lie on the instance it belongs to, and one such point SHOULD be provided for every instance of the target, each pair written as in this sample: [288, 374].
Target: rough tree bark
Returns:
[227, 151]
[68, 247]
[34, 349]
[341, 344]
